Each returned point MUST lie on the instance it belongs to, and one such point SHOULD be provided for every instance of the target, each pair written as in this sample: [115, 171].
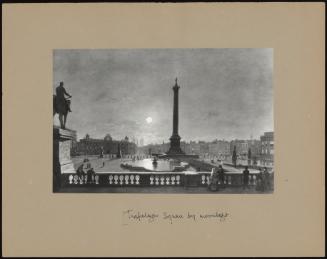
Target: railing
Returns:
[120, 179]
[156, 179]
[82, 156]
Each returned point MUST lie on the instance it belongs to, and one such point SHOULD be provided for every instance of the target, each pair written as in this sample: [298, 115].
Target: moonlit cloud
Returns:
[224, 94]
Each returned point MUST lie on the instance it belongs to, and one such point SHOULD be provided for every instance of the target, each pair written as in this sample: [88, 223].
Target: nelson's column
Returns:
[175, 148]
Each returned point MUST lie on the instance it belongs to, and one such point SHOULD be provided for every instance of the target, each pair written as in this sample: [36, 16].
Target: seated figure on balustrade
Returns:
[90, 176]
[80, 172]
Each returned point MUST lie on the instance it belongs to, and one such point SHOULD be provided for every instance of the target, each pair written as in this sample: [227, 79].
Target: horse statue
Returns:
[62, 109]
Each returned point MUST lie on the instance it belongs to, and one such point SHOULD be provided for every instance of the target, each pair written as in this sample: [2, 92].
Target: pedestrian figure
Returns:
[246, 174]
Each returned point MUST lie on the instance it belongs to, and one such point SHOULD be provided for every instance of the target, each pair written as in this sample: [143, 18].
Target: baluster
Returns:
[162, 179]
[97, 178]
[230, 180]
[75, 179]
[81, 179]
[121, 179]
[254, 180]
[157, 180]
[71, 177]
[208, 179]
[167, 180]
[151, 180]
[116, 179]
[178, 179]
[137, 178]
[126, 179]
[85, 179]
[203, 178]
[132, 179]
[110, 179]
[173, 180]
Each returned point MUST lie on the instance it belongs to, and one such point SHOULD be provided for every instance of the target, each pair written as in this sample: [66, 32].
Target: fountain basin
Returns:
[160, 165]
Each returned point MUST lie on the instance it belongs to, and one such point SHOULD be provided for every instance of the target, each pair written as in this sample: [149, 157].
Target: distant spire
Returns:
[176, 80]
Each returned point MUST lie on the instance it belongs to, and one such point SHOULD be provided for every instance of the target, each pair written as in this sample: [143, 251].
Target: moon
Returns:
[148, 120]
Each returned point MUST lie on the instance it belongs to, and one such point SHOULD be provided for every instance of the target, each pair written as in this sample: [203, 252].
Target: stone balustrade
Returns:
[154, 179]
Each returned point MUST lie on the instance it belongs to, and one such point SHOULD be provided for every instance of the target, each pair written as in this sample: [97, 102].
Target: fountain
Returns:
[157, 165]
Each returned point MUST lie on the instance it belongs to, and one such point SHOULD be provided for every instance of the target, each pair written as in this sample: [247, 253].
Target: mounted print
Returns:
[163, 121]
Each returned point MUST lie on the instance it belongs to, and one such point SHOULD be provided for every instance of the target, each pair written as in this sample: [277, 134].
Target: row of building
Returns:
[91, 146]
[261, 151]
[258, 151]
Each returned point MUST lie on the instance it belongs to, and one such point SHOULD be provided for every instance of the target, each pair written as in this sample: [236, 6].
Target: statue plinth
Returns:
[62, 163]
[175, 145]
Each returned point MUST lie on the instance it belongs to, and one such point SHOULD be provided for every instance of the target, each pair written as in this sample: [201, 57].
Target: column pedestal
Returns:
[175, 145]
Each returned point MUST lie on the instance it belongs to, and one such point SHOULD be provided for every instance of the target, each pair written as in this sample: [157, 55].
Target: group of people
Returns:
[263, 179]
[217, 179]
[86, 169]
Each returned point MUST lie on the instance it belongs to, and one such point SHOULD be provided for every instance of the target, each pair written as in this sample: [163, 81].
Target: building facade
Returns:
[219, 148]
[90, 146]
[267, 149]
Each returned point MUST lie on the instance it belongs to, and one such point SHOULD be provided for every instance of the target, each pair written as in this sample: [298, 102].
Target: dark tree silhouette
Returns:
[249, 156]
[234, 156]
[118, 151]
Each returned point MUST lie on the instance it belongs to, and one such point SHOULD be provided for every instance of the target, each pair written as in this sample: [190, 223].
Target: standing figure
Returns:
[266, 180]
[213, 185]
[246, 174]
[260, 181]
[221, 175]
[61, 105]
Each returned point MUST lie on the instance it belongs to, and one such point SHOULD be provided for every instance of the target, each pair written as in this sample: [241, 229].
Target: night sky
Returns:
[224, 94]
